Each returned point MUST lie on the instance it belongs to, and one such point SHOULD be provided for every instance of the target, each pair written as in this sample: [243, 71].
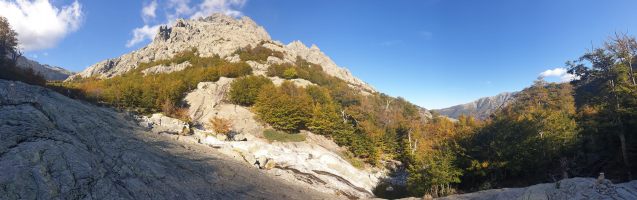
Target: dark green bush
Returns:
[244, 91]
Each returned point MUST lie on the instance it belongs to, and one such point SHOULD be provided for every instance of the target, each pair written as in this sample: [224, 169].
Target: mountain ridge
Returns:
[48, 72]
[220, 35]
[480, 108]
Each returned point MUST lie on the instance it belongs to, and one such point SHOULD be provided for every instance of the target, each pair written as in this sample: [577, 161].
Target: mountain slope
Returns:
[218, 35]
[54, 147]
[480, 108]
[47, 71]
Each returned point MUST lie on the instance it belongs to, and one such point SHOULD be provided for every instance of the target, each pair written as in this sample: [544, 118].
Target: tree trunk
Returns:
[622, 140]
[622, 134]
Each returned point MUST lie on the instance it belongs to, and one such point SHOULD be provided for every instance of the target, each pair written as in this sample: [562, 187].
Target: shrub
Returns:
[285, 108]
[290, 73]
[220, 125]
[244, 91]
[258, 53]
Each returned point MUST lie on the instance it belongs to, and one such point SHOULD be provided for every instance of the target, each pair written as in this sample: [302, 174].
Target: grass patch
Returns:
[273, 135]
[353, 160]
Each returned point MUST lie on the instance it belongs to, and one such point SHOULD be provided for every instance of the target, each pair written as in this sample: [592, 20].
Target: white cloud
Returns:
[39, 24]
[142, 33]
[181, 9]
[208, 7]
[560, 73]
[148, 11]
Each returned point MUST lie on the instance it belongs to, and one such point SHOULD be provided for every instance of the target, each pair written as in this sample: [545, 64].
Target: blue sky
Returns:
[435, 53]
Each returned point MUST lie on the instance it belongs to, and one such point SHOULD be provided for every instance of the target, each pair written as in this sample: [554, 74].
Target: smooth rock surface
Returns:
[53, 147]
[574, 188]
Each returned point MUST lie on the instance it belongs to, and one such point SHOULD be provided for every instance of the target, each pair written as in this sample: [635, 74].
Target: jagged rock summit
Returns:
[480, 108]
[221, 35]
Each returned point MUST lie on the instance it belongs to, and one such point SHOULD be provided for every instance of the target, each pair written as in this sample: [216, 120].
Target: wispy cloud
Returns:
[142, 33]
[426, 34]
[180, 9]
[560, 73]
[149, 11]
[39, 24]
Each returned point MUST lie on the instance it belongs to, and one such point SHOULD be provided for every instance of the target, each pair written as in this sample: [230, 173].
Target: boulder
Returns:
[160, 123]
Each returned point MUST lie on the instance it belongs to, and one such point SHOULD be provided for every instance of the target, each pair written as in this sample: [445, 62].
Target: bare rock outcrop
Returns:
[219, 35]
[165, 69]
[567, 189]
[315, 163]
[47, 71]
[53, 147]
[214, 35]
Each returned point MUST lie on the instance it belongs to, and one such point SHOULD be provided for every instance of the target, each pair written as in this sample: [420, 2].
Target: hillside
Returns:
[47, 71]
[191, 71]
[54, 147]
[481, 108]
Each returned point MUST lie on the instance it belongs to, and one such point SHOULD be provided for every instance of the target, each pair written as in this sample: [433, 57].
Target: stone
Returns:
[160, 123]
[261, 160]
[221, 137]
[269, 164]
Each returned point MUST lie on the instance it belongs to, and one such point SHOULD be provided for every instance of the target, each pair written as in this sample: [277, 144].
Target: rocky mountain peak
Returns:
[221, 35]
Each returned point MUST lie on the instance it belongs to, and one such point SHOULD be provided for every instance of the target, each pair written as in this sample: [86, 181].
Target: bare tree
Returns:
[625, 47]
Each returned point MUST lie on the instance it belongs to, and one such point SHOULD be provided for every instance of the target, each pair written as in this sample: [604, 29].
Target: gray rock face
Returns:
[53, 147]
[480, 108]
[164, 69]
[574, 188]
[218, 35]
[215, 35]
[49, 72]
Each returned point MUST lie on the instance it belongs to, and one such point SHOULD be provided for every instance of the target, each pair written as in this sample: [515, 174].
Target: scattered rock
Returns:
[160, 123]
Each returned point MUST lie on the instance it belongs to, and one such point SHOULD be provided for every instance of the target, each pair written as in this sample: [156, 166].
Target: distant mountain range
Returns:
[480, 108]
[47, 71]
